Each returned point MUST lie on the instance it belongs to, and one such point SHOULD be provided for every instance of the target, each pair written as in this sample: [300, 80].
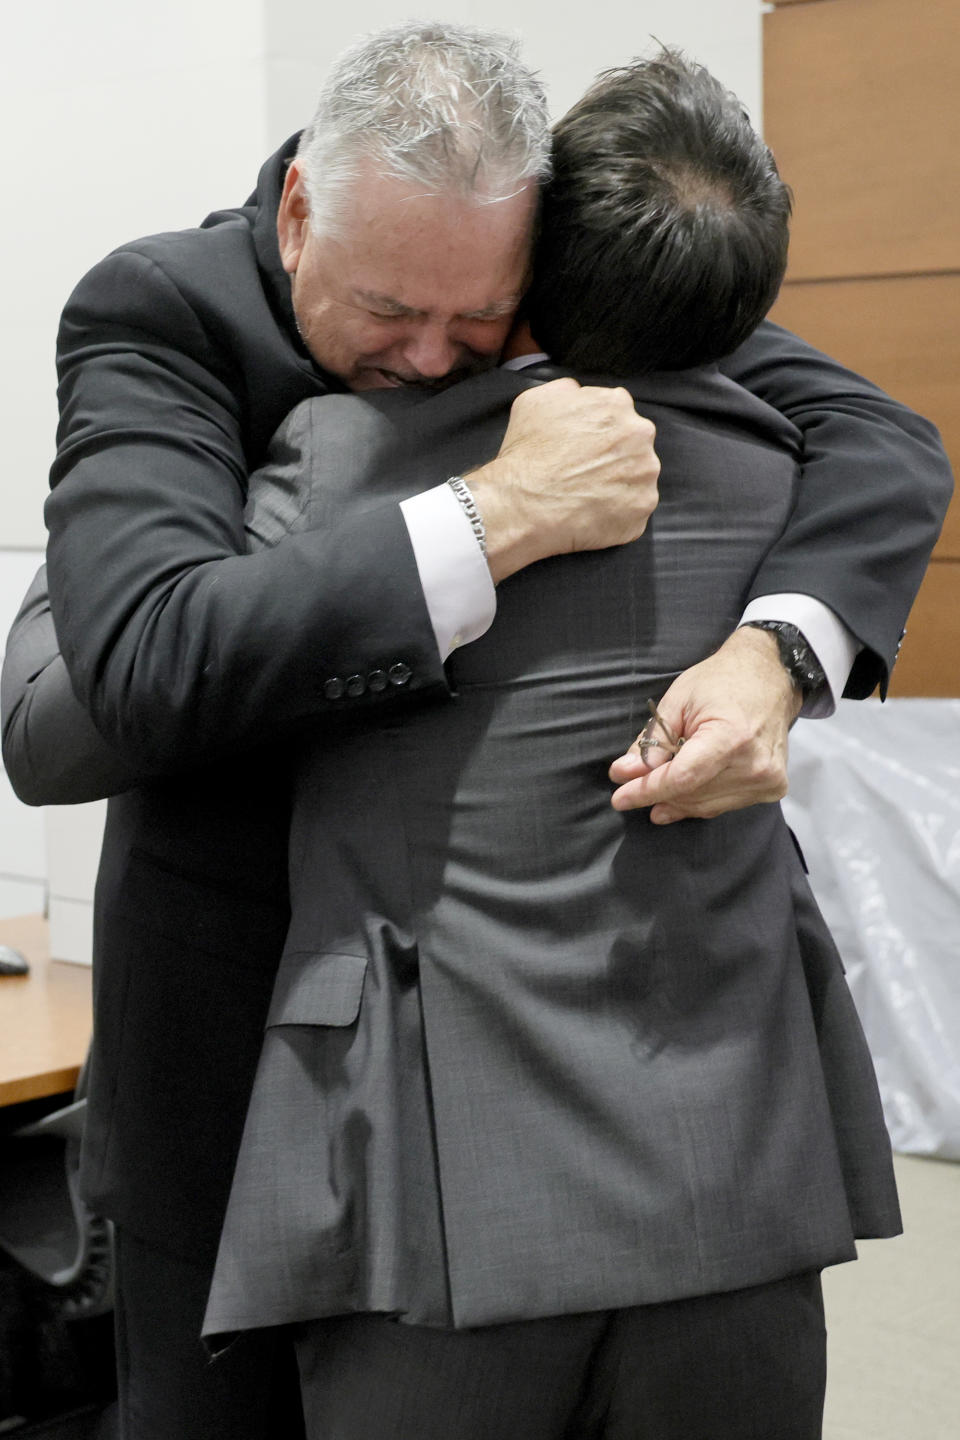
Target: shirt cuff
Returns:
[834, 645]
[457, 587]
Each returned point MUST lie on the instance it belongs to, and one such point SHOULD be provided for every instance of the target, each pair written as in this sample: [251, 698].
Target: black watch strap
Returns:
[796, 656]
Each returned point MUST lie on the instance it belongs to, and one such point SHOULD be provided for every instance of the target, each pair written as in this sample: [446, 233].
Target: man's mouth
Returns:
[420, 382]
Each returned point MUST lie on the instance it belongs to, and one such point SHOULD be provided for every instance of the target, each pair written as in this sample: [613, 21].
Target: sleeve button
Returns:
[333, 688]
[356, 685]
[377, 681]
[399, 673]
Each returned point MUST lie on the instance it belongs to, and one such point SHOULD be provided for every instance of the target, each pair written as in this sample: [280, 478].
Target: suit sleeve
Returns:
[52, 752]
[875, 487]
[180, 645]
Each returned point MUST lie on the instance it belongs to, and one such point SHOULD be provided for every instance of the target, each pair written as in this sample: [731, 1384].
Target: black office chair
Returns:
[44, 1223]
[56, 1268]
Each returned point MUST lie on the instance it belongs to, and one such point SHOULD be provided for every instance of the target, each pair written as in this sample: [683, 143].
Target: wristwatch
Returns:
[796, 656]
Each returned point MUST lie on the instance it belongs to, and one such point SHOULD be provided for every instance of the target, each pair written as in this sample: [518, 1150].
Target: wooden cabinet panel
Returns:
[862, 110]
[929, 662]
[905, 335]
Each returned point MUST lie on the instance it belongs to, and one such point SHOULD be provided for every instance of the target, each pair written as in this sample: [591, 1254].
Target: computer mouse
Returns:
[12, 962]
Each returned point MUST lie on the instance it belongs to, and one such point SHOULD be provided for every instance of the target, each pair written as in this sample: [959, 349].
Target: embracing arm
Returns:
[52, 752]
[179, 644]
[873, 492]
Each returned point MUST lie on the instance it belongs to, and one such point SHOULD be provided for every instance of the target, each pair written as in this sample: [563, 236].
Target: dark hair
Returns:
[664, 230]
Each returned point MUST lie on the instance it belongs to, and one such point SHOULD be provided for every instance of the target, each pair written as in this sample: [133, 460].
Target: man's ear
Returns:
[293, 218]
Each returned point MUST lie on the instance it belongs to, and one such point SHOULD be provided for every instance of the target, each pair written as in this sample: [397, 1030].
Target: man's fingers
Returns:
[726, 793]
[664, 815]
[638, 795]
[680, 779]
[528, 398]
[630, 796]
[632, 764]
[706, 778]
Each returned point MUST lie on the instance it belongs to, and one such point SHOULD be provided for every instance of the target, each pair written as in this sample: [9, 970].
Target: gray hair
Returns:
[443, 106]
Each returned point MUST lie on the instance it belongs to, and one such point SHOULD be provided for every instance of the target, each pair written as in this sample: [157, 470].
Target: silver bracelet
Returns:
[461, 489]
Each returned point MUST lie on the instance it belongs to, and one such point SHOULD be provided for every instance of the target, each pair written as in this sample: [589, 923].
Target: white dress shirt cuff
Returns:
[456, 582]
[829, 639]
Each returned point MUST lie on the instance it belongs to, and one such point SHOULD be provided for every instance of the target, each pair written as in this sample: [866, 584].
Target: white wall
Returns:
[567, 45]
[120, 118]
[23, 862]
[112, 112]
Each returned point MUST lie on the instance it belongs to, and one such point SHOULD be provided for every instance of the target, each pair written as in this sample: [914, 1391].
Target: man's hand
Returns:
[576, 471]
[733, 710]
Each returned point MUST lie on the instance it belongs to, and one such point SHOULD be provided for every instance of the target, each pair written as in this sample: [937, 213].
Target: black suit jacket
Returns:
[177, 359]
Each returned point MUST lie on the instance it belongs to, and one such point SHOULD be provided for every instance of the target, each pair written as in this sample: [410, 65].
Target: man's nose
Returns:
[431, 352]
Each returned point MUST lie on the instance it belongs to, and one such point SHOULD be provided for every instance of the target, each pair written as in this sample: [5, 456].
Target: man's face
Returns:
[414, 289]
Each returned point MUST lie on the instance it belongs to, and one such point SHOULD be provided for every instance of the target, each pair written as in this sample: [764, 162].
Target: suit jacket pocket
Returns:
[316, 988]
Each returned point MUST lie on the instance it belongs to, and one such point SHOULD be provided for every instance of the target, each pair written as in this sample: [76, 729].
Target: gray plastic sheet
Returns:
[875, 804]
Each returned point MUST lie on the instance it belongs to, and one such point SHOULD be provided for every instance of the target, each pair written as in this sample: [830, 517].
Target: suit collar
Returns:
[704, 391]
[264, 203]
[261, 208]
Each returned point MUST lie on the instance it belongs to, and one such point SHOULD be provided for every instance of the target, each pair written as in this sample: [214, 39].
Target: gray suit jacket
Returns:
[527, 1056]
